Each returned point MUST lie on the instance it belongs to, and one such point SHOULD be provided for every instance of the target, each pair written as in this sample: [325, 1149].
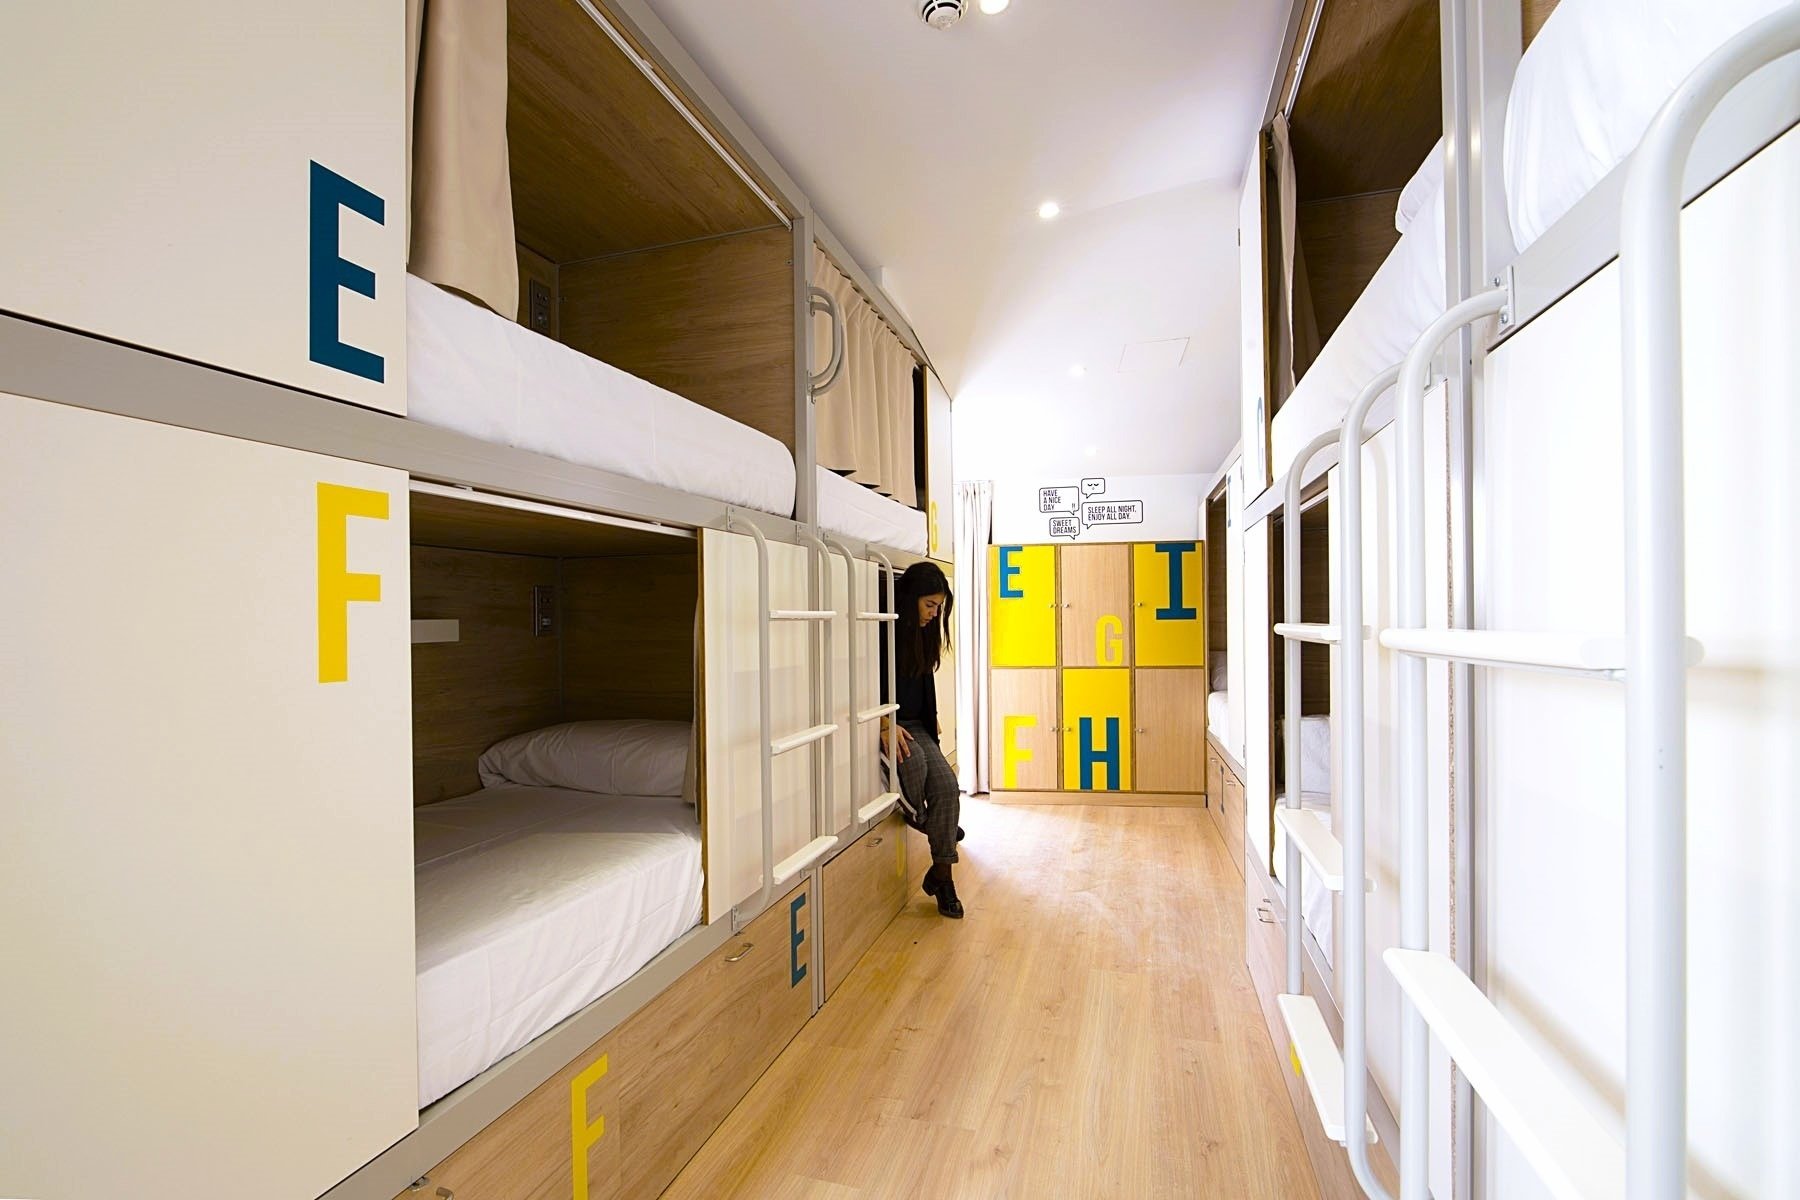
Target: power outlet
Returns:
[537, 294]
[543, 611]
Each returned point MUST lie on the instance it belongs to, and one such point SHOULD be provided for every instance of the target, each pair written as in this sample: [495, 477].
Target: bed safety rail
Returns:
[1352, 965]
[1563, 653]
[819, 300]
[769, 746]
[1310, 844]
[864, 814]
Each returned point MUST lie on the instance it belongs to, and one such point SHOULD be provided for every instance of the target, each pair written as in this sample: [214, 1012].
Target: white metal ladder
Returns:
[770, 747]
[1562, 1142]
[867, 814]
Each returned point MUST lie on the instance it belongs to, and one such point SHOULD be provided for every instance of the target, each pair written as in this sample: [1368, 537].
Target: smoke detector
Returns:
[941, 14]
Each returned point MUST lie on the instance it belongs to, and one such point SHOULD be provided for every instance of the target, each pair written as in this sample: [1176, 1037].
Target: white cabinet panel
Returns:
[219, 181]
[733, 763]
[207, 859]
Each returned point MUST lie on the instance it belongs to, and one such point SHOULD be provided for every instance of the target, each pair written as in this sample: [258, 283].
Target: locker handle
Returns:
[424, 1181]
[875, 842]
[742, 952]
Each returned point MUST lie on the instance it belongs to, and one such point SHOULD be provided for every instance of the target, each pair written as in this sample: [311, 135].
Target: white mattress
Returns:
[477, 373]
[1315, 897]
[1588, 86]
[850, 509]
[1218, 714]
[531, 904]
[1406, 295]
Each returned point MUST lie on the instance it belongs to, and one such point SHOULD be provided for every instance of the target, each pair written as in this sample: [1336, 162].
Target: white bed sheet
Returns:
[531, 904]
[480, 374]
[1406, 295]
[1218, 714]
[850, 509]
[1588, 86]
[1315, 897]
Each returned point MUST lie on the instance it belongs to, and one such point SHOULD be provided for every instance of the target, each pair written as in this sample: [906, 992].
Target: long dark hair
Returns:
[921, 647]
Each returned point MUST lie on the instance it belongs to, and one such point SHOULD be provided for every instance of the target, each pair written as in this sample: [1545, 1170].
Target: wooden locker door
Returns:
[732, 795]
[1171, 729]
[1169, 603]
[1023, 730]
[1022, 606]
[1096, 730]
[207, 866]
[1096, 602]
[222, 182]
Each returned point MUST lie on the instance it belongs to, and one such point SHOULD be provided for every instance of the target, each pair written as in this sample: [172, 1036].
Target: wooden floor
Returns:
[1089, 1030]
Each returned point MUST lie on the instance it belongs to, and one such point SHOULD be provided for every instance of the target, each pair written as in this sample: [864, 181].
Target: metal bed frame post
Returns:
[1415, 868]
[1656, 616]
[1353, 974]
[768, 747]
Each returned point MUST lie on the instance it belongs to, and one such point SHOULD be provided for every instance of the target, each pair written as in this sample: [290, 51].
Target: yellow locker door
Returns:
[1170, 610]
[1097, 730]
[1022, 599]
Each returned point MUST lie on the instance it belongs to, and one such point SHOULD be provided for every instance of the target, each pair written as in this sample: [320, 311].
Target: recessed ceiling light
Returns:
[993, 7]
[1049, 210]
[1077, 371]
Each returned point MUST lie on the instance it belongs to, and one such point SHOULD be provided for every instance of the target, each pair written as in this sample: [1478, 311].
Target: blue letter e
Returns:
[329, 271]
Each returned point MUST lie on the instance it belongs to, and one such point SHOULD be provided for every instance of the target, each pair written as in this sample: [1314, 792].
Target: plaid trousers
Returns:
[929, 797]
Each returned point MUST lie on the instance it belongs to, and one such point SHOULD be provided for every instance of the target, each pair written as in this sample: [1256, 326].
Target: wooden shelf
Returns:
[1572, 1154]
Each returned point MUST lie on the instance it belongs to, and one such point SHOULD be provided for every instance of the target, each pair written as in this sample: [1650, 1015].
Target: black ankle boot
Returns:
[939, 885]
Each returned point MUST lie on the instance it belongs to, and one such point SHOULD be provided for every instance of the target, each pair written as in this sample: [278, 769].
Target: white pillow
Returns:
[612, 758]
[1420, 188]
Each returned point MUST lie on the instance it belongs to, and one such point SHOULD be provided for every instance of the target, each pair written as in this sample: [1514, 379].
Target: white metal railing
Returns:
[770, 747]
[890, 621]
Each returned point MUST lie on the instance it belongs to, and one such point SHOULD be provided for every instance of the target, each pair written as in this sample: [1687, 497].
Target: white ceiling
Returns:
[927, 152]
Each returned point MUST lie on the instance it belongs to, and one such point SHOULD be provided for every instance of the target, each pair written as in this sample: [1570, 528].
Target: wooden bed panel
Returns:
[710, 320]
[496, 681]
[1345, 241]
[865, 888]
[1534, 14]
[1370, 104]
[628, 637]
[601, 162]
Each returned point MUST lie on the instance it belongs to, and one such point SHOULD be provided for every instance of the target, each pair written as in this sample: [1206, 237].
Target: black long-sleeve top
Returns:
[918, 697]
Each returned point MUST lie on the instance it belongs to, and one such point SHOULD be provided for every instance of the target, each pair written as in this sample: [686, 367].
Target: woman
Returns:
[927, 784]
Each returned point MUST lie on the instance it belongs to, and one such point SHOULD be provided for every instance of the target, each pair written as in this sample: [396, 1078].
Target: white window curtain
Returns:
[974, 529]
[864, 423]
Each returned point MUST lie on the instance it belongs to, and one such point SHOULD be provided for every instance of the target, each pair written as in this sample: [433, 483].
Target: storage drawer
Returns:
[1231, 816]
[685, 1060]
[865, 887]
[649, 1093]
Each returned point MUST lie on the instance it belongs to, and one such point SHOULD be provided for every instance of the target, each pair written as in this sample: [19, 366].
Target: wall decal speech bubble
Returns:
[1059, 500]
[1092, 487]
[1113, 512]
[1067, 527]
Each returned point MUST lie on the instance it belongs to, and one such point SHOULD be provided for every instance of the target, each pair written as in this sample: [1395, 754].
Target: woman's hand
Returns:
[903, 741]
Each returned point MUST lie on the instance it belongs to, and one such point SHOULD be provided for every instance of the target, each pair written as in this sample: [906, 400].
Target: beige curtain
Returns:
[460, 182]
[1287, 236]
[864, 423]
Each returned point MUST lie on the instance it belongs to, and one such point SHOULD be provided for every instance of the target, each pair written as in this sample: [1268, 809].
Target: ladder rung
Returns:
[805, 737]
[878, 616]
[1562, 1141]
[1322, 852]
[1320, 1063]
[1324, 635]
[876, 713]
[805, 857]
[801, 614]
[1582, 653]
[878, 807]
